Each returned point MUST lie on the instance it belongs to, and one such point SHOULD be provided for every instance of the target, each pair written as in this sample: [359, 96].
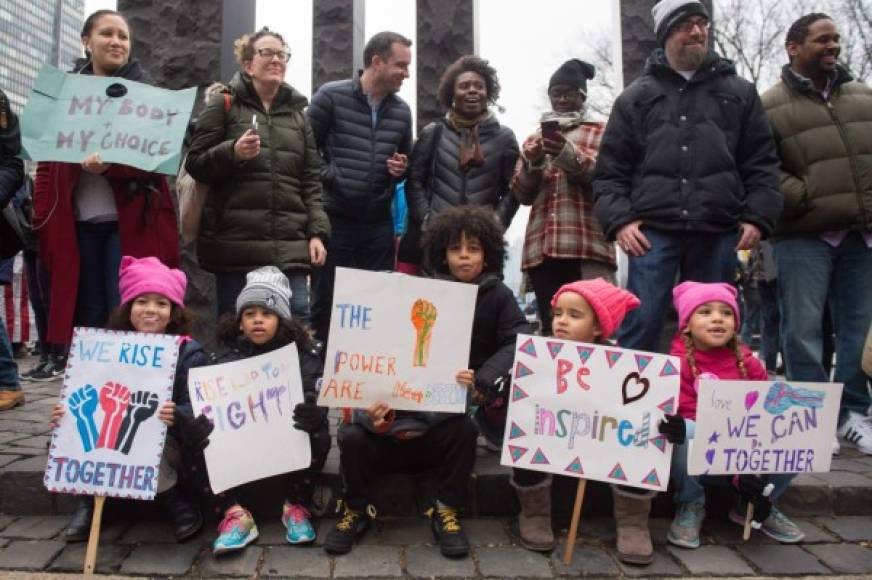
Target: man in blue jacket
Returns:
[364, 133]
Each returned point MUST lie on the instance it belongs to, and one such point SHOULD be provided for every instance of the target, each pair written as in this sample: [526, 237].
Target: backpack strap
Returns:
[227, 101]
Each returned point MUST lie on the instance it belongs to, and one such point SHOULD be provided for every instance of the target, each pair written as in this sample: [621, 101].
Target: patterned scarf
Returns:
[567, 120]
[470, 149]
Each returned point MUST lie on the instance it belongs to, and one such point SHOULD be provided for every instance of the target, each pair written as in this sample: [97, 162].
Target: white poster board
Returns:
[251, 403]
[109, 441]
[764, 427]
[590, 411]
[398, 339]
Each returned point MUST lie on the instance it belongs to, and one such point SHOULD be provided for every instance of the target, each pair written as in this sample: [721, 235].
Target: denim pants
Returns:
[352, 245]
[701, 257]
[761, 316]
[811, 273]
[228, 285]
[99, 259]
[553, 273]
[8, 367]
[691, 488]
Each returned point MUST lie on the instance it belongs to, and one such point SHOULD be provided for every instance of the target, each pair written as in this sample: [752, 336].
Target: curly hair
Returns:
[449, 226]
[468, 63]
[181, 320]
[243, 47]
[288, 331]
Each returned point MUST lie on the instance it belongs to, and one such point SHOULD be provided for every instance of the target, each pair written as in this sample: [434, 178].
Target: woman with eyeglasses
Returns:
[255, 149]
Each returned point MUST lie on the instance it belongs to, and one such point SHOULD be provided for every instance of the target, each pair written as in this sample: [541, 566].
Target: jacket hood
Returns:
[287, 98]
[131, 71]
[657, 63]
[804, 86]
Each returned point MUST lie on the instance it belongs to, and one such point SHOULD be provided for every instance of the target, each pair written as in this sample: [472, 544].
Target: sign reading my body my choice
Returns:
[764, 427]
[70, 116]
[397, 339]
[109, 441]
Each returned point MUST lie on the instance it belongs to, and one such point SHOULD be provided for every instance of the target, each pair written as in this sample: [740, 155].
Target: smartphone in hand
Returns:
[254, 123]
[550, 130]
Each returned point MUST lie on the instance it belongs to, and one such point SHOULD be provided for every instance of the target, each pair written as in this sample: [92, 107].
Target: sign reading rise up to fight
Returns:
[590, 411]
[109, 441]
[70, 116]
[763, 427]
[251, 403]
[397, 339]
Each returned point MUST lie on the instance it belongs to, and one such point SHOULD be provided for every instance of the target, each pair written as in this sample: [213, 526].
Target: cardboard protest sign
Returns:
[590, 411]
[763, 427]
[251, 403]
[109, 441]
[397, 339]
[70, 116]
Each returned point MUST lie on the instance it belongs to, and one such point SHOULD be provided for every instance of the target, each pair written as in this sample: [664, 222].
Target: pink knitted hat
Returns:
[688, 296]
[138, 276]
[609, 302]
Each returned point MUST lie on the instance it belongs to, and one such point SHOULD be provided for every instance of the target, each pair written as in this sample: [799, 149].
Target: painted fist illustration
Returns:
[423, 319]
[142, 405]
[113, 398]
[83, 405]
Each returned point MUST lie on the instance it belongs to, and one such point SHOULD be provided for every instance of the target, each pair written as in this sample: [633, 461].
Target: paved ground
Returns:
[834, 509]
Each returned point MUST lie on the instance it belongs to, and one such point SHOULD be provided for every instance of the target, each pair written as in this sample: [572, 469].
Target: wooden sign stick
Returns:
[94, 537]
[749, 515]
[573, 525]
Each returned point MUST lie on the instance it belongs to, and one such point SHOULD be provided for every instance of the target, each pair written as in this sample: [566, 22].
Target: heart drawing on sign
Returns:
[710, 456]
[751, 398]
[640, 388]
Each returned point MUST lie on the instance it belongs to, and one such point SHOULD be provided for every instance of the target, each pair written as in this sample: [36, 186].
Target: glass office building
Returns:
[32, 33]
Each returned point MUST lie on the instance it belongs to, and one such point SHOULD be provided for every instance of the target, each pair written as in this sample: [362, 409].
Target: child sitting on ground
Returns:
[707, 342]
[262, 324]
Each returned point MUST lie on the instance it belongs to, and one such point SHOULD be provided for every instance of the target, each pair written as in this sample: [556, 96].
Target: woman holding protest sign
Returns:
[152, 301]
[256, 151]
[88, 215]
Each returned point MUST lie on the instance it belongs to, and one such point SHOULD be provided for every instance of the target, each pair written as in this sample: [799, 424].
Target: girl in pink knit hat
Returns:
[709, 347]
[153, 301]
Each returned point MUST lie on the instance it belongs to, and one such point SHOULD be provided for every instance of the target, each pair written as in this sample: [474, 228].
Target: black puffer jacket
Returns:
[357, 186]
[11, 168]
[688, 155]
[265, 210]
[437, 184]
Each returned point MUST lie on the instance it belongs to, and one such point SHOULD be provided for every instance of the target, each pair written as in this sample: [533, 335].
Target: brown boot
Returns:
[534, 522]
[631, 519]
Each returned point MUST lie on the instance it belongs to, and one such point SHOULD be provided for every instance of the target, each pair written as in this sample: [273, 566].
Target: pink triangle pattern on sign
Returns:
[522, 370]
[575, 467]
[659, 442]
[651, 478]
[617, 472]
[584, 352]
[518, 393]
[668, 369]
[667, 406]
[642, 361]
[539, 458]
[517, 452]
[515, 432]
[554, 348]
[528, 348]
[612, 357]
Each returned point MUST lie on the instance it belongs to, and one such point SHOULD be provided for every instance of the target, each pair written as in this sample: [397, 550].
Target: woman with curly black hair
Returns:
[466, 158]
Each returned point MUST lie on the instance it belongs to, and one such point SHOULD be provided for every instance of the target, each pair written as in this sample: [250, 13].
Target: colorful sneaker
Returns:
[777, 526]
[235, 531]
[296, 519]
[685, 527]
[349, 529]
[448, 532]
[857, 429]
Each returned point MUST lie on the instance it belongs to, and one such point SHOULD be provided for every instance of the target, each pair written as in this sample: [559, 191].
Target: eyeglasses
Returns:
[269, 54]
[689, 25]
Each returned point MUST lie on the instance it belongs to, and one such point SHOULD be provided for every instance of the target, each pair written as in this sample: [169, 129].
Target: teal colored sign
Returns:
[70, 116]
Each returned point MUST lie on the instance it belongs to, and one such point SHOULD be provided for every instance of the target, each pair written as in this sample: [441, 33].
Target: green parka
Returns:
[265, 210]
[826, 154]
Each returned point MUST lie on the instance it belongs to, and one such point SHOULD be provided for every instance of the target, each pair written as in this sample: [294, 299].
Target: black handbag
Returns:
[15, 222]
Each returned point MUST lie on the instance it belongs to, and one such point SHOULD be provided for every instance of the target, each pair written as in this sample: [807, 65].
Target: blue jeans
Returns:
[761, 316]
[696, 256]
[8, 367]
[99, 259]
[228, 285]
[352, 245]
[691, 488]
[812, 273]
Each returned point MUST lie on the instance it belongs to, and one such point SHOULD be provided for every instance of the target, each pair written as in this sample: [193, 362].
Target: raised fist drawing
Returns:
[113, 398]
[83, 404]
[143, 404]
[424, 315]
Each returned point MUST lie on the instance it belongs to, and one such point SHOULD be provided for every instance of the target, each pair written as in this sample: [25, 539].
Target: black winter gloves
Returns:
[674, 428]
[195, 431]
[307, 415]
[755, 490]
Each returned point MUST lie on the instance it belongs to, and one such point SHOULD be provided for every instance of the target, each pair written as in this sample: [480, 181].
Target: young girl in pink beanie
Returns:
[153, 301]
[709, 347]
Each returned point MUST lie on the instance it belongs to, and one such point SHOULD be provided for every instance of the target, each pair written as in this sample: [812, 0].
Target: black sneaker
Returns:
[79, 527]
[186, 517]
[43, 360]
[448, 532]
[348, 530]
[53, 369]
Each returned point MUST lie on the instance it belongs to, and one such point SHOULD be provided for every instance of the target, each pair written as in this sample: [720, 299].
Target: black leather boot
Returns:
[186, 517]
[80, 524]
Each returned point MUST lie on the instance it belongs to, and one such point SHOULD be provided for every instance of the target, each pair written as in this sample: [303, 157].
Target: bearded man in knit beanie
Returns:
[687, 171]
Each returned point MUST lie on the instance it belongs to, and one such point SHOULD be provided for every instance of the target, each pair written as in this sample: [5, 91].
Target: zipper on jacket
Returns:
[272, 173]
[851, 161]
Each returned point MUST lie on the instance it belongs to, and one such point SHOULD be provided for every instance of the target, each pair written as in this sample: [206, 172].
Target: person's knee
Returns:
[352, 439]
